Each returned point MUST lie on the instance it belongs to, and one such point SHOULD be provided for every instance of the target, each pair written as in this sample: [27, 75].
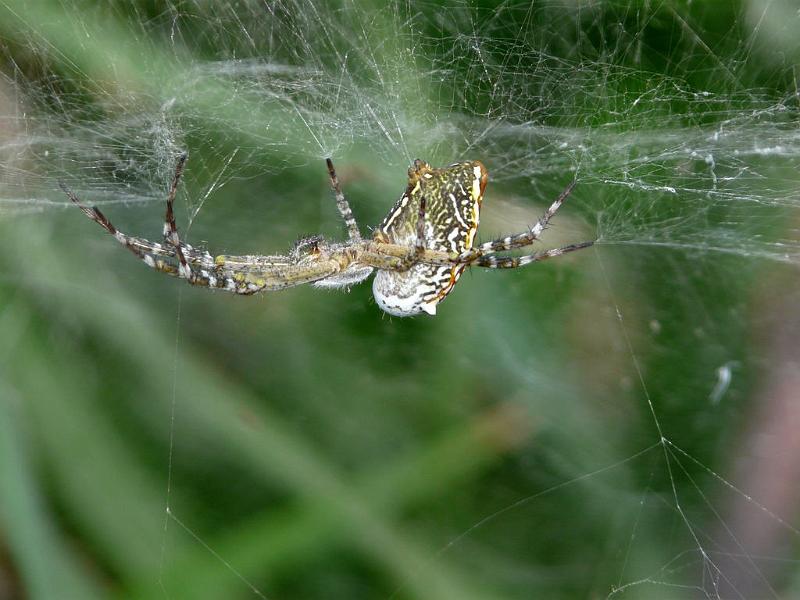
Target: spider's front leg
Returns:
[247, 275]
[170, 228]
[98, 217]
[172, 257]
[342, 204]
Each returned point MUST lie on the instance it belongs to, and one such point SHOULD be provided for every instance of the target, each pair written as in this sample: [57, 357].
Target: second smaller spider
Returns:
[419, 250]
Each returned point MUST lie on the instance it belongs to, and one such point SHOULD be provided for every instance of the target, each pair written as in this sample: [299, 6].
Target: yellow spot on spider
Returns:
[260, 281]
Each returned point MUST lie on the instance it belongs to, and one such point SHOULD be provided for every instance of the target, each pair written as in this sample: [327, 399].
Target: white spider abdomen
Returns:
[418, 290]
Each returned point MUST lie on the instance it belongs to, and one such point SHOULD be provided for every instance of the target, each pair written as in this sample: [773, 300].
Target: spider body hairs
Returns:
[418, 252]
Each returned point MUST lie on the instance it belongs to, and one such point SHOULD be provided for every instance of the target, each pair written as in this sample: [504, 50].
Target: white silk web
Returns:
[646, 406]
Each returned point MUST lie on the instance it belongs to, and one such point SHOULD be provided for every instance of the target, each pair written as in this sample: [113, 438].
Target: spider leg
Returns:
[154, 255]
[419, 244]
[493, 261]
[518, 240]
[170, 228]
[247, 275]
[238, 274]
[98, 217]
[483, 255]
[342, 204]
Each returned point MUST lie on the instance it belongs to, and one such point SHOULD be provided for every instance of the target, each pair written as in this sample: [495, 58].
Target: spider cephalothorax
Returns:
[419, 250]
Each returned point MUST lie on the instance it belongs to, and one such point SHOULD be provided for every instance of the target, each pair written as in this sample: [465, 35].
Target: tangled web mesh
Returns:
[532, 91]
[680, 126]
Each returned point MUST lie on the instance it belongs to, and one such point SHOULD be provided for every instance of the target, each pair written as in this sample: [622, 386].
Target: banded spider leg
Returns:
[485, 254]
[170, 228]
[342, 204]
[157, 256]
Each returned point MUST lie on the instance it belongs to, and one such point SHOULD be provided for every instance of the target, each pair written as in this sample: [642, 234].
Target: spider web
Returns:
[620, 423]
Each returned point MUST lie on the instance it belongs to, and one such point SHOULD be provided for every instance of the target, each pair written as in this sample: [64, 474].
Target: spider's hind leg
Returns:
[492, 261]
[519, 240]
[342, 204]
[484, 255]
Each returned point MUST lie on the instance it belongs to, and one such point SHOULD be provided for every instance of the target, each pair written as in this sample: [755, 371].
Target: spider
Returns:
[419, 250]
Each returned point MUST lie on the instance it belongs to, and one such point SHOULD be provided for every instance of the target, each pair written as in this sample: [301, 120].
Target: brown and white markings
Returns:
[419, 250]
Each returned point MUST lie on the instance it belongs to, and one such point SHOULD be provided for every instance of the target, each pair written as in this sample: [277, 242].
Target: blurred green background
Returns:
[617, 423]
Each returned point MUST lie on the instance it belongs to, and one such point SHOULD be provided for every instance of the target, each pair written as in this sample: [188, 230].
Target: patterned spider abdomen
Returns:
[453, 198]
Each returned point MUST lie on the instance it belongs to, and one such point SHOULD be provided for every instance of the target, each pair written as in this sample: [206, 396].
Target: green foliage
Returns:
[158, 440]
